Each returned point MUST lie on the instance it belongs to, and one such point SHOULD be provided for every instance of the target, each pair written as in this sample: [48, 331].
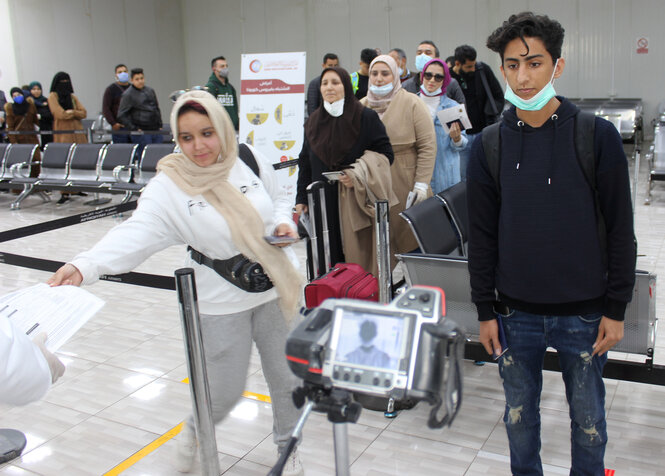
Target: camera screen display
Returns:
[372, 340]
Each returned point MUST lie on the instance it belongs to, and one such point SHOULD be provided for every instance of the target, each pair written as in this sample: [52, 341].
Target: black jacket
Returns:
[373, 137]
[139, 109]
[478, 103]
[535, 240]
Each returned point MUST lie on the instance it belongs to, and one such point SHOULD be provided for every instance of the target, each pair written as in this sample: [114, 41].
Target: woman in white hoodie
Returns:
[210, 200]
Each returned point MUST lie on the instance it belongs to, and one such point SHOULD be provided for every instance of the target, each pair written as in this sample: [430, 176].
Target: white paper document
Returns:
[454, 114]
[59, 311]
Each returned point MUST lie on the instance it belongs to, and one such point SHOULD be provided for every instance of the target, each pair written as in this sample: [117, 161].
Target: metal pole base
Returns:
[341, 439]
[12, 443]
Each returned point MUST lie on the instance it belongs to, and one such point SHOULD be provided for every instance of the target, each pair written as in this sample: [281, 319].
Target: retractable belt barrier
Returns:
[138, 279]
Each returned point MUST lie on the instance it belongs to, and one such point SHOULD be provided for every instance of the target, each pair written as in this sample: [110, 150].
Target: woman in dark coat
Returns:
[336, 135]
[21, 115]
[45, 116]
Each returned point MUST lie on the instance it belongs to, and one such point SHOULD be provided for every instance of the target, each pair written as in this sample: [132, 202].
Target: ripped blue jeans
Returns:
[528, 337]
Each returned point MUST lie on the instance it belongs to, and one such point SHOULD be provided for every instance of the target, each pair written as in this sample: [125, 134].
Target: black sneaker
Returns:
[63, 199]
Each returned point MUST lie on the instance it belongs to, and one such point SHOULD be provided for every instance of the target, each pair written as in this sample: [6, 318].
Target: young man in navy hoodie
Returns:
[535, 249]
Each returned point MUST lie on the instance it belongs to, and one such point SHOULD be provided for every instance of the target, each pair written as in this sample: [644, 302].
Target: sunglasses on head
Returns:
[437, 77]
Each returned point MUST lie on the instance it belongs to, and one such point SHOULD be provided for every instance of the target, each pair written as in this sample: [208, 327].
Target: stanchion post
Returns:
[196, 367]
[341, 440]
[382, 231]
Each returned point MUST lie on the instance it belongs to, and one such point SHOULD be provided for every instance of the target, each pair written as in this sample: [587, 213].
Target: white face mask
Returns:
[335, 109]
[400, 71]
[381, 90]
[427, 93]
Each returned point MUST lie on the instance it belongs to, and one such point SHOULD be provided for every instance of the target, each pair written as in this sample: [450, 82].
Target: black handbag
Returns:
[239, 270]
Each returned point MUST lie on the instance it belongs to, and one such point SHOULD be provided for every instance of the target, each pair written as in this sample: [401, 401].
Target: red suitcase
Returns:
[344, 280]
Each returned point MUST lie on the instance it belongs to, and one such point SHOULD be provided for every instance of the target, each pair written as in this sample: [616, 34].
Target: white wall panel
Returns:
[87, 38]
[174, 40]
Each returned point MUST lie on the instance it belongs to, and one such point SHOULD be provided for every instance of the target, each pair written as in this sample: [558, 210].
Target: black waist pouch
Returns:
[238, 270]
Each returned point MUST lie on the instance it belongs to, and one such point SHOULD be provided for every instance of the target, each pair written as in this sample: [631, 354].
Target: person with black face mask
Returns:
[482, 93]
[67, 113]
[67, 110]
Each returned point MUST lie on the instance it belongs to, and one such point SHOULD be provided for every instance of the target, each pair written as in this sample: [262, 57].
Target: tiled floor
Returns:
[123, 388]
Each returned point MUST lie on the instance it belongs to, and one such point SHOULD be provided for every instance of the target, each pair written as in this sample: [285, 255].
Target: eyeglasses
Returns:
[437, 77]
[176, 94]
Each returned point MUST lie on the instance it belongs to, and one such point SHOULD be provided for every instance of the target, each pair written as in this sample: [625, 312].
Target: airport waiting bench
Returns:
[440, 226]
[73, 168]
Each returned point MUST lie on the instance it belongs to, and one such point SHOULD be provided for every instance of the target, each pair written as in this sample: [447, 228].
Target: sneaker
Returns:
[63, 199]
[293, 467]
[186, 450]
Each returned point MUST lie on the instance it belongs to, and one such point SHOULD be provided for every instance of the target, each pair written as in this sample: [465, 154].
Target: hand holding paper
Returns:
[456, 114]
[58, 311]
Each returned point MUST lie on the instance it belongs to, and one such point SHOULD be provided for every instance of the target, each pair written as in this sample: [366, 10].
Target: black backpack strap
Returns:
[248, 158]
[488, 91]
[585, 128]
[491, 137]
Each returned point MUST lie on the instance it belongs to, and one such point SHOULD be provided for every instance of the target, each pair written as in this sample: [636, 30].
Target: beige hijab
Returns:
[247, 228]
[381, 103]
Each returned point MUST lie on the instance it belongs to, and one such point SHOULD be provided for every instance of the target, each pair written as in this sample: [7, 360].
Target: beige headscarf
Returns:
[245, 223]
[381, 103]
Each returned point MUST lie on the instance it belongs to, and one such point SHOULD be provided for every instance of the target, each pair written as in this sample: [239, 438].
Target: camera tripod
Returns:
[340, 408]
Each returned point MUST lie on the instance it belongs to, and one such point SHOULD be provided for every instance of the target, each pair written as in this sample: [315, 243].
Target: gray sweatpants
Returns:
[227, 341]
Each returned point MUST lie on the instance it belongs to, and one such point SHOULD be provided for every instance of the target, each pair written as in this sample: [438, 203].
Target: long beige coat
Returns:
[371, 182]
[410, 128]
[67, 120]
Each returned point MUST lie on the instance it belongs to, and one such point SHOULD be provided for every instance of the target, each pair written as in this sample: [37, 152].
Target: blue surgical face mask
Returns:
[427, 93]
[400, 71]
[19, 99]
[123, 77]
[537, 102]
[421, 61]
[381, 90]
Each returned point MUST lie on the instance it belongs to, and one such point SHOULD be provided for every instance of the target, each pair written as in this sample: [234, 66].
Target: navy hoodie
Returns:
[538, 244]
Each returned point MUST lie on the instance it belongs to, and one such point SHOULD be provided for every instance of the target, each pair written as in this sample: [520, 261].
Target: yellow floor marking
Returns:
[145, 451]
[256, 396]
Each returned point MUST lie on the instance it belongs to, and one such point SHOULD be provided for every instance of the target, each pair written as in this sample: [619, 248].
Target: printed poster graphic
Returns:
[272, 108]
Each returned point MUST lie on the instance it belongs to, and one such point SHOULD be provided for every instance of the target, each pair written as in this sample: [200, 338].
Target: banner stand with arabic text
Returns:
[272, 108]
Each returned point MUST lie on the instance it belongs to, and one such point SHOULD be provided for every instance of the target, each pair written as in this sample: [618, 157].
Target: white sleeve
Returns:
[462, 142]
[283, 205]
[24, 372]
[127, 245]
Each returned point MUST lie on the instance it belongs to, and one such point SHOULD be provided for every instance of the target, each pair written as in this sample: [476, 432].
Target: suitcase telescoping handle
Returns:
[317, 265]
[382, 232]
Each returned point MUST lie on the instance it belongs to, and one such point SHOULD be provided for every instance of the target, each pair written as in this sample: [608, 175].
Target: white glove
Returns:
[420, 190]
[56, 367]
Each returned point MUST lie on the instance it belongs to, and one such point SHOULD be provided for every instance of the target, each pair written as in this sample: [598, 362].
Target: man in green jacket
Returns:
[218, 85]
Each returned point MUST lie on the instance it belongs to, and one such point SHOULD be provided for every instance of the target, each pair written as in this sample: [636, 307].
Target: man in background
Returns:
[111, 103]
[483, 95]
[360, 78]
[427, 51]
[139, 111]
[218, 85]
[399, 56]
